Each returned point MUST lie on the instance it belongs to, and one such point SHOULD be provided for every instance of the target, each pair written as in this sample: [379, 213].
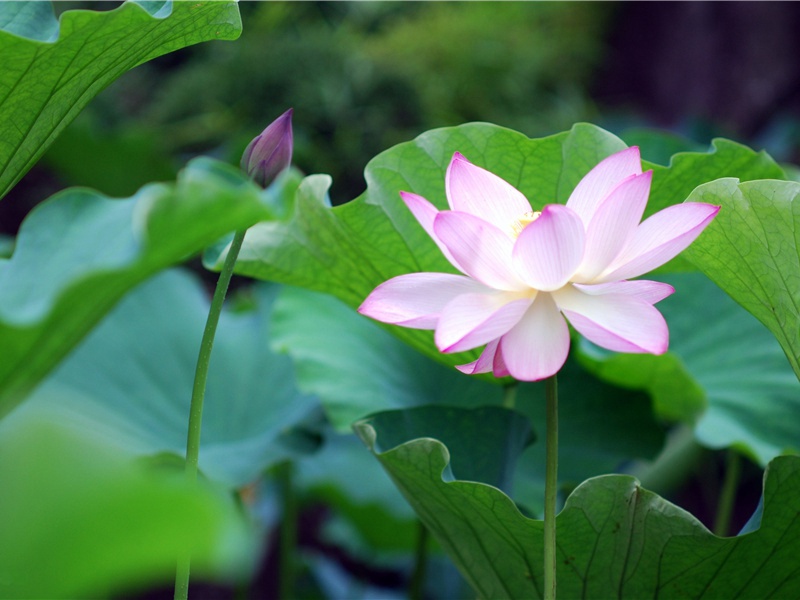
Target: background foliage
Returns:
[293, 368]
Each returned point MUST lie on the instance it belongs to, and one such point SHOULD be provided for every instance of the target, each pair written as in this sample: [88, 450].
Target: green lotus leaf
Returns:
[356, 367]
[53, 69]
[350, 249]
[79, 519]
[130, 381]
[79, 252]
[751, 252]
[724, 374]
[615, 539]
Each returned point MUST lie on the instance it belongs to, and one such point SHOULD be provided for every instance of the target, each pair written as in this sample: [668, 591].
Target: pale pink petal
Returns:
[614, 224]
[619, 322]
[659, 239]
[649, 291]
[601, 180]
[490, 360]
[548, 251]
[415, 300]
[538, 345]
[476, 191]
[472, 320]
[499, 368]
[425, 213]
[482, 250]
[485, 361]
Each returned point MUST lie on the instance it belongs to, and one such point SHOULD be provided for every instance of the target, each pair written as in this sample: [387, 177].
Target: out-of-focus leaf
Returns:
[356, 368]
[52, 70]
[350, 249]
[131, 381]
[743, 392]
[615, 539]
[79, 252]
[78, 519]
[377, 515]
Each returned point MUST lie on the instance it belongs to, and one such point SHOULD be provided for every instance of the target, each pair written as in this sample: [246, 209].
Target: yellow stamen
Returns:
[523, 221]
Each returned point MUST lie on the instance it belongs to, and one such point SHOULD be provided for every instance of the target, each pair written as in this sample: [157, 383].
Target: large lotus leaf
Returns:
[377, 516]
[131, 380]
[744, 392]
[356, 368]
[486, 441]
[350, 249]
[751, 252]
[615, 539]
[52, 70]
[629, 431]
[80, 520]
[79, 252]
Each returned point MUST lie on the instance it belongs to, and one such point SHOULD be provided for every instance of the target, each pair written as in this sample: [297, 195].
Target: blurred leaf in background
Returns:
[361, 76]
[80, 519]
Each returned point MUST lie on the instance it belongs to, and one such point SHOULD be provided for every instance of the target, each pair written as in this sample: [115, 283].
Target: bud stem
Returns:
[199, 392]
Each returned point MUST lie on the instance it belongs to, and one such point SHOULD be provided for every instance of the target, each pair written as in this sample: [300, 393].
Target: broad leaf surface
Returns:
[486, 442]
[376, 513]
[80, 520]
[52, 70]
[356, 367]
[350, 249]
[79, 252]
[724, 373]
[131, 380]
[751, 252]
[615, 539]
[602, 428]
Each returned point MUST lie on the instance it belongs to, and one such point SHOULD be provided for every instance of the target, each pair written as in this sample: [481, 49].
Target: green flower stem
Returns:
[510, 395]
[733, 469]
[288, 533]
[416, 588]
[550, 488]
[199, 392]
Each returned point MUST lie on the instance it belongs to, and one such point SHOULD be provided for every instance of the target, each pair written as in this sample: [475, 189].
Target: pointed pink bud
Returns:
[270, 152]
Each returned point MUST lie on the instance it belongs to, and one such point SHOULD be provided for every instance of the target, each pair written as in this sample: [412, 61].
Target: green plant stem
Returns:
[733, 469]
[550, 488]
[510, 395]
[416, 588]
[288, 531]
[199, 392]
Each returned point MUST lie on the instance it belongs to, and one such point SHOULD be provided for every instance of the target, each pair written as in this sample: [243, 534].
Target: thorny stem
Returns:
[199, 391]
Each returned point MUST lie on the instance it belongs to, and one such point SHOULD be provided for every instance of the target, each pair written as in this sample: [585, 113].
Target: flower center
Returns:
[522, 221]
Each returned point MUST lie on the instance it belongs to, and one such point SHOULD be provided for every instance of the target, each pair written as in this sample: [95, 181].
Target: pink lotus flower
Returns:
[525, 271]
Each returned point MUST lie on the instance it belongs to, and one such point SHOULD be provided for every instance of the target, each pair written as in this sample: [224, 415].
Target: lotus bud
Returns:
[270, 152]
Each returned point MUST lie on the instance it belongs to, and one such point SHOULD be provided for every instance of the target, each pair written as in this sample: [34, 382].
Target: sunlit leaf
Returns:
[52, 70]
[751, 252]
[79, 252]
[350, 249]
